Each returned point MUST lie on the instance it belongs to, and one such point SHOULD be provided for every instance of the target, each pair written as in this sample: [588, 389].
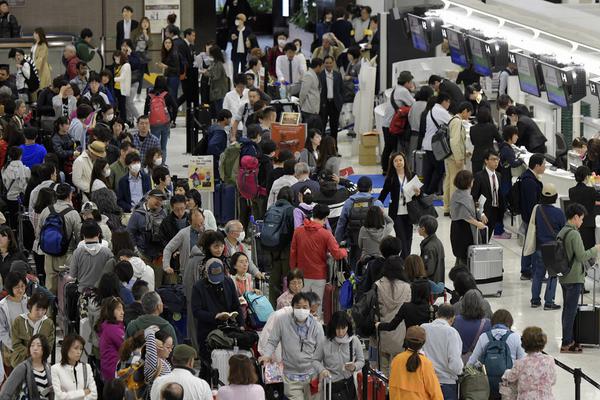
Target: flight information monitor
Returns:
[555, 81]
[481, 56]
[458, 47]
[529, 78]
[418, 32]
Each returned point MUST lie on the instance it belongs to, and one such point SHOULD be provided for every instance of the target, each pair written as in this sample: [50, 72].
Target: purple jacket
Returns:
[300, 215]
[111, 337]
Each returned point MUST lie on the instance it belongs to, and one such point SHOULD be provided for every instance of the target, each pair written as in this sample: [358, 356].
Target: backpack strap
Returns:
[350, 348]
[546, 221]
[479, 331]
[433, 119]
[394, 104]
[85, 385]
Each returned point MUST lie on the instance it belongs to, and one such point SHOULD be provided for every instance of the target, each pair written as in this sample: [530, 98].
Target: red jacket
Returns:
[272, 58]
[310, 245]
[72, 67]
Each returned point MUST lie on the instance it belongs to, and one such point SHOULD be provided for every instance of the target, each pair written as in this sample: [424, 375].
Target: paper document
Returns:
[412, 185]
[481, 202]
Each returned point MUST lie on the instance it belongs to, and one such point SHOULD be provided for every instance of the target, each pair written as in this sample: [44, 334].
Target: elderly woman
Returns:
[332, 46]
[234, 231]
[471, 320]
[466, 220]
[183, 242]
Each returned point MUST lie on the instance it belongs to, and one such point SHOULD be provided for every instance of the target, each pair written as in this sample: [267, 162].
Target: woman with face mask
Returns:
[239, 33]
[340, 356]
[105, 198]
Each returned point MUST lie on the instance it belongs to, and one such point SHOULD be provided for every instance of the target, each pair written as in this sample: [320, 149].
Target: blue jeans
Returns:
[449, 391]
[537, 276]
[571, 294]
[162, 132]
[173, 85]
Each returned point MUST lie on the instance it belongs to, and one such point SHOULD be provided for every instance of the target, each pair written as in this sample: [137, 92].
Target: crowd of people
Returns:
[161, 282]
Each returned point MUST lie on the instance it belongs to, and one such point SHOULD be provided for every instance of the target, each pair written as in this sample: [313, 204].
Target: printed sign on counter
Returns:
[201, 173]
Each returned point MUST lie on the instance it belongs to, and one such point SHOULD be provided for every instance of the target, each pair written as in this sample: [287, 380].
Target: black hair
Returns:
[289, 47]
[509, 131]
[268, 146]
[39, 299]
[195, 195]
[46, 349]
[321, 211]
[390, 246]
[420, 291]
[14, 153]
[12, 242]
[139, 289]
[491, 153]
[536, 159]
[286, 193]
[339, 319]
[114, 389]
[465, 106]
[253, 131]
[12, 279]
[374, 218]
[316, 62]
[90, 229]
[582, 173]
[441, 97]
[86, 33]
[300, 296]
[159, 174]
[132, 157]
[288, 166]
[128, 8]
[124, 271]
[178, 198]
[252, 62]
[46, 197]
[239, 80]
[503, 101]
[575, 209]
[484, 115]
[224, 114]
[424, 93]
[208, 239]
[414, 361]
[393, 268]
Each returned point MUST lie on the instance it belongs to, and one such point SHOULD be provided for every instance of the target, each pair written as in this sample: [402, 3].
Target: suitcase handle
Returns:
[478, 236]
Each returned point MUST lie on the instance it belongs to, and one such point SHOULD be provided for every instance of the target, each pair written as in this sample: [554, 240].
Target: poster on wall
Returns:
[201, 173]
[158, 10]
[290, 137]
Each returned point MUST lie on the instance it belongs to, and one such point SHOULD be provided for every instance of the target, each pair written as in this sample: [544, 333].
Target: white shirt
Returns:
[240, 41]
[441, 116]
[126, 29]
[359, 28]
[329, 80]
[408, 195]
[402, 97]
[66, 386]
[493, 181]
[443, 347]
[283, 70]
[193, 388]
[233, 101]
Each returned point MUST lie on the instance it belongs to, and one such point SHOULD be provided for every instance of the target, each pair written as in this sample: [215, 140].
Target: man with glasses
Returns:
[487, 183]
[300, 335]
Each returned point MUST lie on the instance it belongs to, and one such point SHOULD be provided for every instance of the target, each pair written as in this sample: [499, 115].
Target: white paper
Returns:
[481, 201]
[412, 185]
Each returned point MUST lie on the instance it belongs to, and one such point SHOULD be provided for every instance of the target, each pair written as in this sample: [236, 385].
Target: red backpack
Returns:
[159, 115]
[399, 122]
[247, 179]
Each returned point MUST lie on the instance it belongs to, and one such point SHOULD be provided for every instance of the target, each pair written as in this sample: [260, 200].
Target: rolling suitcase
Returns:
[486, 265]
[225, 203]
[418, 161]
[68, 303]
[587, 320]
[376, 385]
[220, 362]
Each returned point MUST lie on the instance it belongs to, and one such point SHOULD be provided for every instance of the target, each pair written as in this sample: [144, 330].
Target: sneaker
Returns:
[550, 307]
[536, 305]
[503, 235]
[525, 277]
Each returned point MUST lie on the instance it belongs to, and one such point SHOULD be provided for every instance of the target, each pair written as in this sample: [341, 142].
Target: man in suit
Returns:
[126, 25]
[331, 95]
[189, 84]
[487, 183]
[310, 92]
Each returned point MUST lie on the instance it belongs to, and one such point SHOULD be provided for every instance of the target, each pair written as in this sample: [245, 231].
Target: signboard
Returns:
[201, 173]
[290, 137]
[290, 118]
[158, 10]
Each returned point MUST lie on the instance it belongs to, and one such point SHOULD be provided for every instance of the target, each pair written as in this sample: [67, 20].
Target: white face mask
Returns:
[242, 236]
[158, 162]
[106, 172]
[281, 42]
[135, 168]
[301, 314]
[238, 22]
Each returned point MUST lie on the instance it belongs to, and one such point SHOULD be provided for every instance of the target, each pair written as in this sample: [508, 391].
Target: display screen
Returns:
[458, 49]
[554, 85]
[418, 33]
[595, 87]
[528, 75]
[481, 56]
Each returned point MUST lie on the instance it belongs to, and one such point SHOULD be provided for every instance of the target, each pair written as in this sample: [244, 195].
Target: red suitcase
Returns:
[376, 388]
[330, 301]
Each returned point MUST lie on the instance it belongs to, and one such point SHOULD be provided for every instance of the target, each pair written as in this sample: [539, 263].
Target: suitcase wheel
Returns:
[499, 294]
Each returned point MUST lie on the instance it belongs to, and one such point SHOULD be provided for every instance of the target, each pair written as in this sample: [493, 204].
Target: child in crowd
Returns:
[295, 282]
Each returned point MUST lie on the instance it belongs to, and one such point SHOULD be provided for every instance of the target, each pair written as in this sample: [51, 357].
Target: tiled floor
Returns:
[515, 296]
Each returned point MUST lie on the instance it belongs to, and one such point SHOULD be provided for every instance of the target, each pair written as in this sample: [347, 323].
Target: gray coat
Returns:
[332, 356]
[310, 93]
[181, 243]
[23, 373]
[432, 253]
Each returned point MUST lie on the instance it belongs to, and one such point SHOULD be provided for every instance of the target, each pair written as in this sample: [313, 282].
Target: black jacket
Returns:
[9, 27]
[530, 135]
[508, 160]
[121, 32]
[44, 102]
[337, 89]
[168, 228]
[587, 197]
[482, 186]
[342, 30]
[245, 33]
[392, 186]
[432, 253]
[456, 95]
[186, 60]
[5, 262]
[482, 137]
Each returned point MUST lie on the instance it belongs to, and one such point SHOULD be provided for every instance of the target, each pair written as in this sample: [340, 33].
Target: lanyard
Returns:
[402, 183]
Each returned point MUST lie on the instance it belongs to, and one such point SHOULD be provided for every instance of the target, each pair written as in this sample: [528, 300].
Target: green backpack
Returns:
[229, 164]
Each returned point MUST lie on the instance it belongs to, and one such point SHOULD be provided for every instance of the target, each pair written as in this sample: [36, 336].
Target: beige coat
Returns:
[40, 59]
[458, 136]
[391, 295]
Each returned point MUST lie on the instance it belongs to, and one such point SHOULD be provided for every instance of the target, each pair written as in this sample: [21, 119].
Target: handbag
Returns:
[474, 384]
[419, 206]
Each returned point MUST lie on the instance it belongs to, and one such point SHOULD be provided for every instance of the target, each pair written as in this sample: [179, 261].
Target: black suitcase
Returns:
[587, 320]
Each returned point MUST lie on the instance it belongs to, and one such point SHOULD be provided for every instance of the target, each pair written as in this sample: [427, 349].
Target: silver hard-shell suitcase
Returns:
[220, 361]
[486, 265]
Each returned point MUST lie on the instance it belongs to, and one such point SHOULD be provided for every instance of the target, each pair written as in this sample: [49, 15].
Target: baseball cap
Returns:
[549, 194]
[183, 352]
[415, 334]
[215, 271]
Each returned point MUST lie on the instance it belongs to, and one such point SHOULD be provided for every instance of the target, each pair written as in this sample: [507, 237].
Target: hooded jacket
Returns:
[15, 177]
[310, 245]
[22, 330]
[432, 253]
[141, 271]
[370, 238]
[87, 264]
[111, 338]
[6, 322]
[391, 296]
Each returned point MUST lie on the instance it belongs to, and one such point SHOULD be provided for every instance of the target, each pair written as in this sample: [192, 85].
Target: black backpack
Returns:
[554, 253]
[514, 198]
[365, 313]
[356, 218]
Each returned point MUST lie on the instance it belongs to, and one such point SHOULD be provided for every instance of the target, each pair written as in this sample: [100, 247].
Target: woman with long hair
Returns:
[122, 79]
[398, 175]
[412, 373]
[329, 159]
[243, 381]
[39, 55]
[111, 332]
[219, 81]
[169, 63]
[310, 152]
[142, 43]
[101, 195]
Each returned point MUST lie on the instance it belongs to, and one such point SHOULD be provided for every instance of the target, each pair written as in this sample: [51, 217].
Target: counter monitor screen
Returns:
[595, 87]
[458, 47]
[417, 32]
[553, 77]
[529, 79]
[481, 54]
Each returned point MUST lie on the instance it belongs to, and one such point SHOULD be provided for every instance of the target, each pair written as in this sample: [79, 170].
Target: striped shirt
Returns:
[41, 381]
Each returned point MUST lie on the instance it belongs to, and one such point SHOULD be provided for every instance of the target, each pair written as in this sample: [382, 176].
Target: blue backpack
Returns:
[260, 309]
[54, 240]
[273, 225]
[347, 294]
[496, 359]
